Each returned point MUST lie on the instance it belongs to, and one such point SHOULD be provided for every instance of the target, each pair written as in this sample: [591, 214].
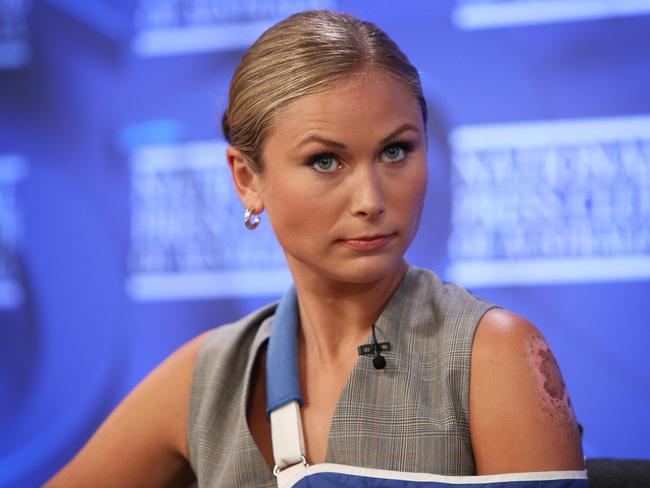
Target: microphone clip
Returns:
[376, 348]
[368, 349]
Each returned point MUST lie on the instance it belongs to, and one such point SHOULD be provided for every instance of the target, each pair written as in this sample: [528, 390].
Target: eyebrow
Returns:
[340, 145]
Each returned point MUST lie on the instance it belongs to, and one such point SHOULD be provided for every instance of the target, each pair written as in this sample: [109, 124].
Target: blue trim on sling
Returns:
[282, 376]
[337, 476]
[339, 480]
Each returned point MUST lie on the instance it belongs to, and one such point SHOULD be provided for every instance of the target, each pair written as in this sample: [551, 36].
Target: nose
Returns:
[367, 194]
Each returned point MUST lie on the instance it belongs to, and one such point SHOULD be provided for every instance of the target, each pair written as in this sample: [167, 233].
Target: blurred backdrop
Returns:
[121, 236]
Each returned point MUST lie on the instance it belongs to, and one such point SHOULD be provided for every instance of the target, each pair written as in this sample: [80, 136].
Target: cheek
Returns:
[412, 192]
[412, 201]
[296, 213]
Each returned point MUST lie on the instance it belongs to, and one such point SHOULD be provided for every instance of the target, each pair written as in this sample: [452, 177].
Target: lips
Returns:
[367, 243]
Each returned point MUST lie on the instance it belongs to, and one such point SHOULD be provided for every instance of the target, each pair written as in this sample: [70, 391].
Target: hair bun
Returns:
[225, 126]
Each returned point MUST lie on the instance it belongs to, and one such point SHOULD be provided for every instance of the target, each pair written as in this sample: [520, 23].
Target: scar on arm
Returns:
[555, 397]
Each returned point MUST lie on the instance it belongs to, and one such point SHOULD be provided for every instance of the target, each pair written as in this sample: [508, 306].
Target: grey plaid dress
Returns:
[411, 416]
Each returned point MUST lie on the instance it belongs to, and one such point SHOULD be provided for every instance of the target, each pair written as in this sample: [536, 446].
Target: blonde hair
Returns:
[300, 55]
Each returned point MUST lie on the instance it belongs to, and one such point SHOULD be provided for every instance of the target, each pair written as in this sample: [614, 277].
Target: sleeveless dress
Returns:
[410, 417]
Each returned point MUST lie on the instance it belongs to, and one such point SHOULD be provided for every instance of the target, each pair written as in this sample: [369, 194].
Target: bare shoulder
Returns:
[521, 418]
[143, 441]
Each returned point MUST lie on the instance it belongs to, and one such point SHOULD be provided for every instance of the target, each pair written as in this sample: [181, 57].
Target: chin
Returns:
[365, 269]
[340, 265]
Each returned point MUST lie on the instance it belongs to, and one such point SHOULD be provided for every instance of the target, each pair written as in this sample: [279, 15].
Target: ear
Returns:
[245, 179]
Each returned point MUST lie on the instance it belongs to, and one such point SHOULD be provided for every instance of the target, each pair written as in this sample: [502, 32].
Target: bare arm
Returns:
[521, 417]
[144, 440]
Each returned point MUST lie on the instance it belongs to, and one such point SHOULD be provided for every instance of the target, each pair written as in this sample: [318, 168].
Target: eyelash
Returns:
[405, 145]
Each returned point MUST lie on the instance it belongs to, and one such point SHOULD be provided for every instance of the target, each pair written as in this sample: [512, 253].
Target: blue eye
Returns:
[325, 163]
[397, 152]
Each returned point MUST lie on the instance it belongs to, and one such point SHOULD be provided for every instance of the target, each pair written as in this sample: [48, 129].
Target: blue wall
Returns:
[120, 237]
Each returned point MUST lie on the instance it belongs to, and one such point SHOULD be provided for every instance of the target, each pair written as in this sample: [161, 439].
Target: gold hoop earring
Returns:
[251, 223]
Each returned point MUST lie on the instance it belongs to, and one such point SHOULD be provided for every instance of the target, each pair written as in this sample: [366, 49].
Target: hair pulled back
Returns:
[298, 56]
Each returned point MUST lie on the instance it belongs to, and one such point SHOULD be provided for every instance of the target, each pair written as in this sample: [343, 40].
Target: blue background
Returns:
[78, 343]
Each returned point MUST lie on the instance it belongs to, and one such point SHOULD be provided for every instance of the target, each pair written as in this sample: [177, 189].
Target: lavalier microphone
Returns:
[376, 348]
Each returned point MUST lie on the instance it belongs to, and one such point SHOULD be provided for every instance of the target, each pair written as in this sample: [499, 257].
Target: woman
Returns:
[326, 122]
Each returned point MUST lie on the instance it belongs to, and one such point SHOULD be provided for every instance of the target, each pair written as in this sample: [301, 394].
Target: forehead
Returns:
[368, 102]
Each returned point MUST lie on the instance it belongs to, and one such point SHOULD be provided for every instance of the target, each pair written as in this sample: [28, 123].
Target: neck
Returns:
[336, 317]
